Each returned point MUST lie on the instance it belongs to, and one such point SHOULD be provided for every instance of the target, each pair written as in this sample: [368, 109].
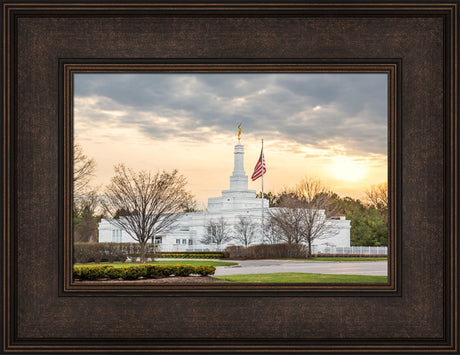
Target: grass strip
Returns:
[299, 277]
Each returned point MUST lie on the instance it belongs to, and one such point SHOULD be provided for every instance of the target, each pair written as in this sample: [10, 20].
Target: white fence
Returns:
[355, 250]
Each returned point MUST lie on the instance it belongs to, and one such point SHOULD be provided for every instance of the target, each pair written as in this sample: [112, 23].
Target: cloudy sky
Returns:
[329, 126]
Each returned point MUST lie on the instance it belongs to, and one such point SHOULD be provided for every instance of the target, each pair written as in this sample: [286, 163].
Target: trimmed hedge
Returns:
[96, 252]
[134, 272]
[267, 251]
[191, 252]
[84, 253]
[198, 255]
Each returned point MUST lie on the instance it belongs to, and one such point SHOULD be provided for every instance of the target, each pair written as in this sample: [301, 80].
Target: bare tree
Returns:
[85, 217]
[85, 198]
[245, 230]
[216, 232]
[270, 234]
[150, 201]
[303, 213]
[287, 221]
[86, 229]
[88, 202]
[378, 198]
[190, 206]
[83, 171]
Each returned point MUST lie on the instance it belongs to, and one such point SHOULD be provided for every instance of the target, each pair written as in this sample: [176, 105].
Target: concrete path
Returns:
[375, 268]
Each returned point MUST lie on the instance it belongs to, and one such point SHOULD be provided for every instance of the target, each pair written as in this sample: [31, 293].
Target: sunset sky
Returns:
[327, 126]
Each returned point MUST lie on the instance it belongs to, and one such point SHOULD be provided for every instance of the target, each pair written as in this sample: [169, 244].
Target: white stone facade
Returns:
[235, 202]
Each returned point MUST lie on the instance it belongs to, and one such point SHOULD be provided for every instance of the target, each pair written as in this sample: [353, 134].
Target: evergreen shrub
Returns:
[134, 272]
[204, 270]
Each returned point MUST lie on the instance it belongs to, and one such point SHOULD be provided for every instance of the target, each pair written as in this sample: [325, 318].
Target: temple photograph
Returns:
[170, 167]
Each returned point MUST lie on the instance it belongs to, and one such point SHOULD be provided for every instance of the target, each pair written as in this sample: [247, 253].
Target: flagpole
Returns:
[263, 163]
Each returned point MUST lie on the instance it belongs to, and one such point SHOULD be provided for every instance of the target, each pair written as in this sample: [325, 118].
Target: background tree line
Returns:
[368, 219]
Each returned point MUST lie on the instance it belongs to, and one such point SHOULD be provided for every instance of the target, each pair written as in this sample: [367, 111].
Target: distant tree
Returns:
[272, 198]
[122, 213]
[217, 232]
[368, 227]
[86, 229]
[270, 235]
[377, 196]
[83, 170]
[190, 206]
[145, 204]
[88, 202]
[245, 231]
[85, 198]
[302, 215]
[287, 221]
[86, 216]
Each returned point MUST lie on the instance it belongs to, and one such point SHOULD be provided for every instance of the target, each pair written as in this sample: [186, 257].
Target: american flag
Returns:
[260, 169]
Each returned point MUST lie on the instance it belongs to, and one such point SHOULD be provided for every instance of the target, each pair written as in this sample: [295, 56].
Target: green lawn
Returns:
[171, 262]
[303, 278]
[338, 259]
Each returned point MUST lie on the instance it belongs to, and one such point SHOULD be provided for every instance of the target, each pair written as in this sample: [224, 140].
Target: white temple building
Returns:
[190, 227]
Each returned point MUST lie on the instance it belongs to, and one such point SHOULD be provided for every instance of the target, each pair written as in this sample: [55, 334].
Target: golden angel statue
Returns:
[239, 131]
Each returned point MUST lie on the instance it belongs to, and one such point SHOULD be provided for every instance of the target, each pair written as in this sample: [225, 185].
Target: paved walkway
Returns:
[375, 268]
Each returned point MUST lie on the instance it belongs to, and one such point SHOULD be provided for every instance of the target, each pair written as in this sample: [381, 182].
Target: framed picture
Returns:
[48, 46]
[239, 200]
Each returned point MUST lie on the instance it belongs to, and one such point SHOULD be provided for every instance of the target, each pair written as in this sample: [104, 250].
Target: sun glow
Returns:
[347, 169]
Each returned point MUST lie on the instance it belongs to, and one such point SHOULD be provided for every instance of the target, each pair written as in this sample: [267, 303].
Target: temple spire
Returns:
[239, 179]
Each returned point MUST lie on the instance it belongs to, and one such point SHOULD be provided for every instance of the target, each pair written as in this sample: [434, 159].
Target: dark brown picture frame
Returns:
[415, 312]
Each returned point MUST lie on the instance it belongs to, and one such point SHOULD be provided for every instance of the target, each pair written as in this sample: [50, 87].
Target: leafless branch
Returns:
[303, 213]
[378, 196]
[83, 171]
[216, 232]
[150, 201]
[245, 230]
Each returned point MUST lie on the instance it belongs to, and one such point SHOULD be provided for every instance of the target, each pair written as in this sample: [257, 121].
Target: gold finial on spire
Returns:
[239, 131]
